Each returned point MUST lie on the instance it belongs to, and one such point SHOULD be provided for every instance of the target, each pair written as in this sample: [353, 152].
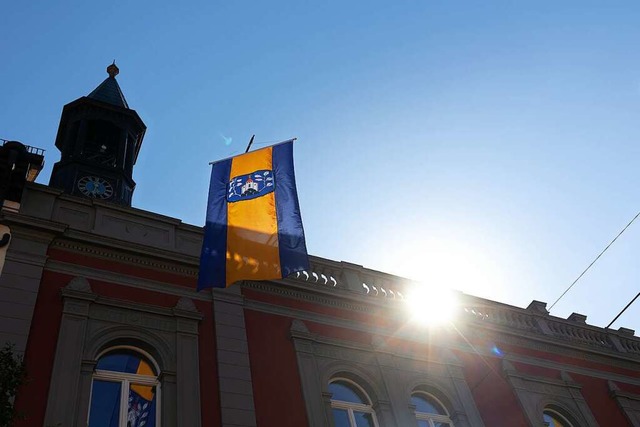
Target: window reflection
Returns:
[105, 403]
[124, 391]
[554, 419]
[351, 407]
[429, 411]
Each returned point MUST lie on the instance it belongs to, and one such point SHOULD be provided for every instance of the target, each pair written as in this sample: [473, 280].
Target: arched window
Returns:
[553, 418]
[429, 411]
[350, 405]
[125, 390]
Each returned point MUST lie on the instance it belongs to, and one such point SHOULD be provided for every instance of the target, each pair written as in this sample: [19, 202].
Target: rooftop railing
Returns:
[535, 319]
[30, 149]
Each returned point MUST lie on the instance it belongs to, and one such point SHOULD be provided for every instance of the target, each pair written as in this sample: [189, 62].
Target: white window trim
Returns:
[558, 415]
[125, 381]
[432, 418]
[350, 407]
[133, 349]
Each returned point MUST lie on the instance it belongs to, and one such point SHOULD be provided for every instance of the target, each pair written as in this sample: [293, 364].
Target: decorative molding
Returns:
[336, 299]
[577, 318]
[613, 387]
[299, 326]
[388, 378]
[507, 367]
[119, 279]
[450, 357]
[125, 257]
[629, 403]
[538, 307]
[231, 295]
[41, 229]
[543, 363]
[76, 294]
[126, 316]
[536, 393]
[187, 326]
[480, 330]
[566, 377]
[379, 343]
[76, 307]
[186, 304]
[79, 284]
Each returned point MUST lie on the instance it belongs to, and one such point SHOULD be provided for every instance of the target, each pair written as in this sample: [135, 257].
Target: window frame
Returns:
[126, 380]
[350, 407]
[555, 413]
[432, 418]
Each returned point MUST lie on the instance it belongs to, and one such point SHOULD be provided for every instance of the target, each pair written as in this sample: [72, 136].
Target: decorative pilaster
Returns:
[234, 368]
[187, 363]
[65, 377]
[317, 409]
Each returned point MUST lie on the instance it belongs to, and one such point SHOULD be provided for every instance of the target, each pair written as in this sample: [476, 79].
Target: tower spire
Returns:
[113, 70]
[109, 90]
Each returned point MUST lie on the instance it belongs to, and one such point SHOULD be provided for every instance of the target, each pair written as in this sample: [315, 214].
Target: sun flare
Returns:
[431, 305]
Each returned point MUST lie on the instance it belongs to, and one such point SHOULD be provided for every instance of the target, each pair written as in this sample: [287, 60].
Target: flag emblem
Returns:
[250, 186]
[253, 228]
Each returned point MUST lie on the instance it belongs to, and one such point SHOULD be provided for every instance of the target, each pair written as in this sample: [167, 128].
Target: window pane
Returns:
[340, 418]
[422, 423]
[426, 406]
[125, 361]
[346, 393]
[105, 404]
[437, 424]
[363, 419]
[554, 420]
[142, 406]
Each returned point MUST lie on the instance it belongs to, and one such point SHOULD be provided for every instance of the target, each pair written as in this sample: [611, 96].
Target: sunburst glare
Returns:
[431, 305]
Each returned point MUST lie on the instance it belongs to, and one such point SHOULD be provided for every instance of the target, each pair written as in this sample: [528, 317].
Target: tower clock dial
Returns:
[95, 187]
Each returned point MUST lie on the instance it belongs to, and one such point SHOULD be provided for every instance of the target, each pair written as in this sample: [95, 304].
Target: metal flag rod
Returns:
[250, 142]
[273, 145]
[623, 310]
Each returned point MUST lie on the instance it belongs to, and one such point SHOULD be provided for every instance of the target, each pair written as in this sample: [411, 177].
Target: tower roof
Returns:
[109, 90]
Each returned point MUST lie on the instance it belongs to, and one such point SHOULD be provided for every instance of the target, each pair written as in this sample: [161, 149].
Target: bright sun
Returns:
[431, 305]
[460, 265]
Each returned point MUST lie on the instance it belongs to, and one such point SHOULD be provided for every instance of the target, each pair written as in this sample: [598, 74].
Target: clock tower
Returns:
[99, 138]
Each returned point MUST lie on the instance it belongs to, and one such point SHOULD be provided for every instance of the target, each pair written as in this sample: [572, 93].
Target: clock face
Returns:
[96, 187]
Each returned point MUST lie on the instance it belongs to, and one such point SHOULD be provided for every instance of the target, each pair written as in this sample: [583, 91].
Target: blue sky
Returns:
[491, 147]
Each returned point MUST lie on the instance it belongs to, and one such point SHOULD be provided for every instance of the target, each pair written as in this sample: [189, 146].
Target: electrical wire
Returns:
[594, 261]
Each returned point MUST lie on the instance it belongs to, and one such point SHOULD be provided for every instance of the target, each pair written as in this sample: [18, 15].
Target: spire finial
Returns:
[113, 69]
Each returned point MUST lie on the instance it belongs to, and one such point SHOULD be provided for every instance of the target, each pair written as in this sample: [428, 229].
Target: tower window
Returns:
[125, 391]
[101, 143]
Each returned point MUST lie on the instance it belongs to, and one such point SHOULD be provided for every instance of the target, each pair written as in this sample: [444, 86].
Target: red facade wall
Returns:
[41, 345]
[273, 363]
[275, 375]
[277, 391]
[493, 395]
[605, 409]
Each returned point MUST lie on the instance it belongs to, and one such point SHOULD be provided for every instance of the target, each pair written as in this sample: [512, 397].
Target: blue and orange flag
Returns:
[253, 229]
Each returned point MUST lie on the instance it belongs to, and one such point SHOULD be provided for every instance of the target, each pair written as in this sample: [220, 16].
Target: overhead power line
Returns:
[594, 261]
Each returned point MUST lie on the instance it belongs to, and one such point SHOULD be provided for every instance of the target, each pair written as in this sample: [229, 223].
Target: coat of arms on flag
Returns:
[253, 228]
[250, 186]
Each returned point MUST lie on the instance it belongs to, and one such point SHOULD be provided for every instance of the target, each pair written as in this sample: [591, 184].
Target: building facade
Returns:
[100, 298]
